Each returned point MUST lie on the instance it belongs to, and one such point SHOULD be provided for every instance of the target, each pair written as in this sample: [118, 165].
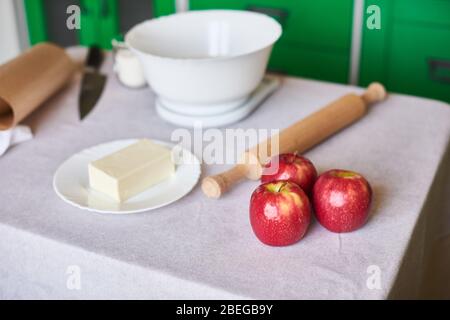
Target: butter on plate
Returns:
[131, 170]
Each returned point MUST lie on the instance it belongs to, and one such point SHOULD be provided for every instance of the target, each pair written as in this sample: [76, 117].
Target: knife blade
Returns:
[92, 83]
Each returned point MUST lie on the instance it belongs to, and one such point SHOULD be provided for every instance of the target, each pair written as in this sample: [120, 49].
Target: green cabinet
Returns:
[37, 26]
[98, 22]
[315, 42]
[316, 34]
[163, 7]
[99, 19]
[411, 52]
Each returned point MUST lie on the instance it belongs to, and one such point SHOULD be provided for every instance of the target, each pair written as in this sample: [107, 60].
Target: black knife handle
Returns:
[94, 58]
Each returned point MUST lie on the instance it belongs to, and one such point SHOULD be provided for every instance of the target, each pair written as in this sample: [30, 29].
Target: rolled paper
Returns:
[27, 81]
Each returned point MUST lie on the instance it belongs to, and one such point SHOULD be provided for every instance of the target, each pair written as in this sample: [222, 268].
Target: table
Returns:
[200, 248]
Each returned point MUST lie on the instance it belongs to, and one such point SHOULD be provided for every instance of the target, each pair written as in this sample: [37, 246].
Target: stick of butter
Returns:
[131, 170]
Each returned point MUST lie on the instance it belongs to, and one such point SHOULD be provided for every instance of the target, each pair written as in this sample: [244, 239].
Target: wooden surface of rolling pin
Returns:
[299, 137]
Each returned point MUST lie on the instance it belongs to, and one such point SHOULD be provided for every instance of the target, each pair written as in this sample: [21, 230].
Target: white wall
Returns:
[9, 34]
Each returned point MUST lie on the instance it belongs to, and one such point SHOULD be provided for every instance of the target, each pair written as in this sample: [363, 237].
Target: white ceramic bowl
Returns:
[204, 57]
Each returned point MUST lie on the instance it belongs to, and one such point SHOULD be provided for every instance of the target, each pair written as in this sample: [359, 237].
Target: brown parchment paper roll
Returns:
[30, 79]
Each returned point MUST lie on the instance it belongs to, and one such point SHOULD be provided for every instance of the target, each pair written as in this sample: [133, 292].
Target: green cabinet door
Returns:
[35, 15]
[163, 7]
[319, 23]
[100, 19]
[411, 52]
[316, 34]
[423, 69]
[99, 22]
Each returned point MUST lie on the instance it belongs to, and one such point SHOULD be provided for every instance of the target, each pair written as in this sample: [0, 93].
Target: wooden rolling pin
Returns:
[299, 137]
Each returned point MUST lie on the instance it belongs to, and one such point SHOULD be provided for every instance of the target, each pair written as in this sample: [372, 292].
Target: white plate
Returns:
[71, 182]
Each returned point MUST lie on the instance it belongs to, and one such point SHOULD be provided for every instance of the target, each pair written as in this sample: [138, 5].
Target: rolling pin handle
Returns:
[215, 186]
[375, 92]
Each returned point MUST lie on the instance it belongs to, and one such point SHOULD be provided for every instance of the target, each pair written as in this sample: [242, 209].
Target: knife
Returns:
[92, 83]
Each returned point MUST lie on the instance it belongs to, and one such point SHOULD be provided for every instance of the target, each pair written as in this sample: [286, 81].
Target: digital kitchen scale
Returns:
[220, 114]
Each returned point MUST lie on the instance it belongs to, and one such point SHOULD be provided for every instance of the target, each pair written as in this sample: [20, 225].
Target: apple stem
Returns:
[281, 186]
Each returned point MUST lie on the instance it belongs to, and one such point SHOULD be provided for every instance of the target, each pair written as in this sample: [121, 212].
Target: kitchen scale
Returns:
[218, 115]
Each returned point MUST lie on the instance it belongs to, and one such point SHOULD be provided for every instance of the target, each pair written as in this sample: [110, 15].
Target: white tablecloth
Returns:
[203, 248]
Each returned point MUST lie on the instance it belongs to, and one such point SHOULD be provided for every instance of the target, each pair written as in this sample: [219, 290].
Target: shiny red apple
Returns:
[341, 200]
[291, 167]
[280, 213]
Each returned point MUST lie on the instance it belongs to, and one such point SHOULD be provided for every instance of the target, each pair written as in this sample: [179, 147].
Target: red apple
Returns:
[280, 213]
[341, 200]
[291, 167]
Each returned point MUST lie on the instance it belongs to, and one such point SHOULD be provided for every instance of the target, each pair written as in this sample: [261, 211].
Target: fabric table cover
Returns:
[203, 248]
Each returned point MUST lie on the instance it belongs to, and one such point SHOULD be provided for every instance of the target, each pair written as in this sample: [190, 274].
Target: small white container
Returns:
[127, 66]
[207, 57]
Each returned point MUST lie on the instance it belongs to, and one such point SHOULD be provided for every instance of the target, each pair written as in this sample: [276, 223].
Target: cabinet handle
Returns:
[279, 71]
[83, 8]
[278, 14]
[104, 8]
[434, 65]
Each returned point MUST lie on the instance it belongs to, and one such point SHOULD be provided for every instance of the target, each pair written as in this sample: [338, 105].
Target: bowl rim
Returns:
[278, 26]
